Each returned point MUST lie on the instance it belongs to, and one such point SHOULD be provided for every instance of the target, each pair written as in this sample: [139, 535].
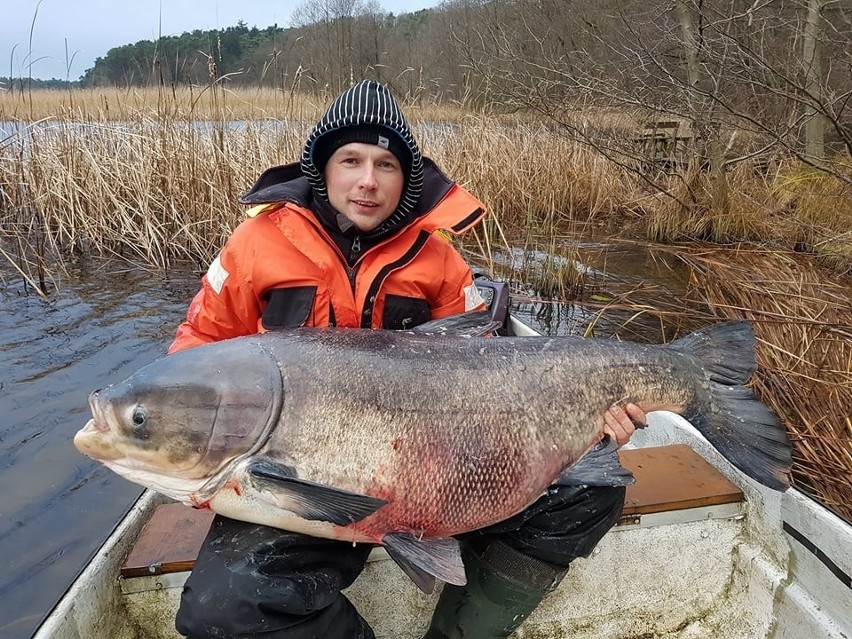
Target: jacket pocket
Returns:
[287, 307]
[402, 313]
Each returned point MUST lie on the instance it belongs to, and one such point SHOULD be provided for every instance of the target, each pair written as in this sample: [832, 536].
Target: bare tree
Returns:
[342, 40]
[812, 61]
[732, 71]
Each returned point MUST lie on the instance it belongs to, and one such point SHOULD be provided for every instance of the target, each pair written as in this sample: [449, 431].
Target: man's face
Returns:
[364, 183]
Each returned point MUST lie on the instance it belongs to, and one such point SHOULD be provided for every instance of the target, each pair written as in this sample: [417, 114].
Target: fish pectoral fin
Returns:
[598, 467]
[425, 559]
[307, 499]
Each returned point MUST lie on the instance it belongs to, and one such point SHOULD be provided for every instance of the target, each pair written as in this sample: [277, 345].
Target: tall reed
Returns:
[792, 207]
[802, 316]
[155, 173]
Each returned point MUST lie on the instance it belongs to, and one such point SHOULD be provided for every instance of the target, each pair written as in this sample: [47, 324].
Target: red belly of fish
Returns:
[461, 499]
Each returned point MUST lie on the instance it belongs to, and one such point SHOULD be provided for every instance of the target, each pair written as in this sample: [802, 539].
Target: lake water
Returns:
[56, 506]
[98, 326]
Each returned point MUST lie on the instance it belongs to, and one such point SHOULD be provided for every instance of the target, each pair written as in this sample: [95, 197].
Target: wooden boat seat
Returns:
[668, 479]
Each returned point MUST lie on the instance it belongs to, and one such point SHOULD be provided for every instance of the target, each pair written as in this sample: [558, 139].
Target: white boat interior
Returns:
[773, 566]
[730, 559]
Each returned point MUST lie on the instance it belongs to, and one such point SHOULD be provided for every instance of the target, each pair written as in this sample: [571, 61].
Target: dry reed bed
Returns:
[185, 102]
[158, 170]
[803, 320]
[156, 191]
[216, 102]
[788, 207]
[165, 189]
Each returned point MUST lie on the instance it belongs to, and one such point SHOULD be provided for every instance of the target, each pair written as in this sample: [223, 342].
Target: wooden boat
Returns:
[701, 551]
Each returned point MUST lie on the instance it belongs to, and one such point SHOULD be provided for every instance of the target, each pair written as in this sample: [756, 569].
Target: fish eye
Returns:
[138, 416]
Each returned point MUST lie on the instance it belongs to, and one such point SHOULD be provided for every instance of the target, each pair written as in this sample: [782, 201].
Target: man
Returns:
[347, 237]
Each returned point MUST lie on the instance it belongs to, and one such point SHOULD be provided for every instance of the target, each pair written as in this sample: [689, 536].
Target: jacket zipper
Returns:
[376, 284]
[355, 249]
[352, 271]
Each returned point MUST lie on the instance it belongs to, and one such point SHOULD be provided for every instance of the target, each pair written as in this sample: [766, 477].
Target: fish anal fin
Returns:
[598, 467]
[423, 559]
[422, 579]
[310, 500]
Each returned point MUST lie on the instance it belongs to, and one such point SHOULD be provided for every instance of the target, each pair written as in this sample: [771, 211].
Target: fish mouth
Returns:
[95, 438]
[98, 421]
[96, 442]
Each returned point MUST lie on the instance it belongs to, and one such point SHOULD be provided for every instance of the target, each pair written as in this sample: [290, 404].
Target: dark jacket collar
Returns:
[279, 184]
[287, 184]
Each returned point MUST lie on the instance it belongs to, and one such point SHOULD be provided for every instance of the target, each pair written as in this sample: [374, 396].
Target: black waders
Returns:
[511, 566]
[503, 587]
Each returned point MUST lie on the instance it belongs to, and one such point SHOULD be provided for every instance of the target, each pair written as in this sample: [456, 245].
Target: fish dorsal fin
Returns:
[598, 467]
[438, 556]
[473, 324]
[307, 499]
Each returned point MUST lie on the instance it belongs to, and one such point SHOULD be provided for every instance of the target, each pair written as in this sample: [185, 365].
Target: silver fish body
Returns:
[407, 439]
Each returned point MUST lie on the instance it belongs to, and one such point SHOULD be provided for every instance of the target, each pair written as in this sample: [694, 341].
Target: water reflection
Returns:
[631, 291]
[19, 130]
[57, 506]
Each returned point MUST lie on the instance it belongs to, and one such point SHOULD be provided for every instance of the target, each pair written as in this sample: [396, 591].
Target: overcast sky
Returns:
[93, 27]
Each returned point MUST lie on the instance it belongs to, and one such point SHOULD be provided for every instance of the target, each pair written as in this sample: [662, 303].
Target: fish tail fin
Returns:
[741, 427]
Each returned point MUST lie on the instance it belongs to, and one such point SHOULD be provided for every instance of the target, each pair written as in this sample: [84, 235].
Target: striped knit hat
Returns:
[365, 112]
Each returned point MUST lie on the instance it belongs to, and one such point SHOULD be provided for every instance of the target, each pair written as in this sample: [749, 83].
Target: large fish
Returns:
[405, 439]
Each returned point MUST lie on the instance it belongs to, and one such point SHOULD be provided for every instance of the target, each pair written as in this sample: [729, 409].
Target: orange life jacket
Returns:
[280, 269]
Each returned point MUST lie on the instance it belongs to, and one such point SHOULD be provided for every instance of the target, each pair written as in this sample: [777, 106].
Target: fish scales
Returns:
[372, 436]
[464, 439]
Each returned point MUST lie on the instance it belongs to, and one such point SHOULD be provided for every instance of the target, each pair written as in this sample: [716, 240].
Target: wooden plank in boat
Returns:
[667, 478]
[169, 542]
[673, 477]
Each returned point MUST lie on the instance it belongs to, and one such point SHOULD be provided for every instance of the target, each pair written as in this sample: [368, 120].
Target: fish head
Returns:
[187, 415]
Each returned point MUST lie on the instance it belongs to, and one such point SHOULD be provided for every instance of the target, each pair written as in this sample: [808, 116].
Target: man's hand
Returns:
[622, 422]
